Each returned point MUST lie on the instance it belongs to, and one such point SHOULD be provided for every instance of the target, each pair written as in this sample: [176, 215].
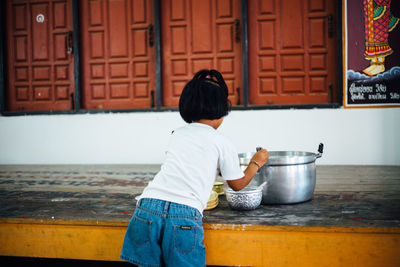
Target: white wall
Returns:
[350, 136]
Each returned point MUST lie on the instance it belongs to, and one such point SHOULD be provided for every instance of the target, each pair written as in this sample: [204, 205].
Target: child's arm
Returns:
[260, 158]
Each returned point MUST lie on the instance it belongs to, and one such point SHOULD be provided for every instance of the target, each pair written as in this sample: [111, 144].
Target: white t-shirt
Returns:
[196, 154]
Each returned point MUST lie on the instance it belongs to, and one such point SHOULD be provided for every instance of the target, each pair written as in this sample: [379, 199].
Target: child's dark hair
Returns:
[204, 97]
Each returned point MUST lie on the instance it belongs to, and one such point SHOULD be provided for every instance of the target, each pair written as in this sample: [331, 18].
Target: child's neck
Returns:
[213, 123]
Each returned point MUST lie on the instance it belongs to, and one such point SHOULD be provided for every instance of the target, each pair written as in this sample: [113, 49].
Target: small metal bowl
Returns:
[219, 188]
[245, 199]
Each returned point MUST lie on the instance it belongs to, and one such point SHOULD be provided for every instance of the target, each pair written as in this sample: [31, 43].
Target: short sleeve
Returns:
[228, 162]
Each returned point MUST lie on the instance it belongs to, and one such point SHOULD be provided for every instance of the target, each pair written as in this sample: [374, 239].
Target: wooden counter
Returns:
[81, 212]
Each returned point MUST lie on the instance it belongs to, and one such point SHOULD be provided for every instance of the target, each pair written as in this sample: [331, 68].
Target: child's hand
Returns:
[256, 162]
[261, 157]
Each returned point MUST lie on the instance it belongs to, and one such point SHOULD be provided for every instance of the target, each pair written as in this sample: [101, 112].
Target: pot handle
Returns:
[320, 150]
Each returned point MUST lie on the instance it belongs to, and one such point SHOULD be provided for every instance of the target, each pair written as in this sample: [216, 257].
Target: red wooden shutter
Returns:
[117, 54]
[292, 53]
[198, 34]
[40, 72]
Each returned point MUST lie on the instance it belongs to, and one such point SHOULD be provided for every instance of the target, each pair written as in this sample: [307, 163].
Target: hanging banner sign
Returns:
[371, 53]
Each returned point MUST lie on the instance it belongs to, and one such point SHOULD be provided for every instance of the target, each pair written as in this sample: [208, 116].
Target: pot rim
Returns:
[282, 158]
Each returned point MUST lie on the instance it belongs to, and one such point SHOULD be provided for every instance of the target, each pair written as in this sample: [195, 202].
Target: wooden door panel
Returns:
[40, 71]
[118, 62]
[199, 34]
[201, 28]
[40, 42]
[290, 13]
[292, 58]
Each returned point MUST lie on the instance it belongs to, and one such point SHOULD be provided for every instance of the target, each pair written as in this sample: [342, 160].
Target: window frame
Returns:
[158, 50]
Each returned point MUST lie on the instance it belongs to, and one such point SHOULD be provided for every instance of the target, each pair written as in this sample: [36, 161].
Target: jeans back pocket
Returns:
[185, 238]
[141, 231]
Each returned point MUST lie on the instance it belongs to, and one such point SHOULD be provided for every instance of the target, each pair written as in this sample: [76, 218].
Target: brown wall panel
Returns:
[199, 34]
[118, 63]
[40, 71]
[292, 60]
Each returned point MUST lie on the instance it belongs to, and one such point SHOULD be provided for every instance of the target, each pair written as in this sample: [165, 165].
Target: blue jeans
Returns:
[163, 233]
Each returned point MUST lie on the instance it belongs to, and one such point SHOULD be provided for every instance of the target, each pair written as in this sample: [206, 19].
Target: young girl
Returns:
[166, 228]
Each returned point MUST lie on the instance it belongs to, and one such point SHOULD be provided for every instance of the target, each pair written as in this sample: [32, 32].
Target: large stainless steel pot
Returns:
[290, 175]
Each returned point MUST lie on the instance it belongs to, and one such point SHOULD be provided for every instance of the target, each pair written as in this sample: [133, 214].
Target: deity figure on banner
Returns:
[379, 21]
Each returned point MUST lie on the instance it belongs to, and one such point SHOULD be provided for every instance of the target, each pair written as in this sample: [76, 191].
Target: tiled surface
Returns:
[345, 196]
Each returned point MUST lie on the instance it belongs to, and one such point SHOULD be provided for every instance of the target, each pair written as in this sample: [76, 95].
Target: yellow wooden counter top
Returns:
[81, 212]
